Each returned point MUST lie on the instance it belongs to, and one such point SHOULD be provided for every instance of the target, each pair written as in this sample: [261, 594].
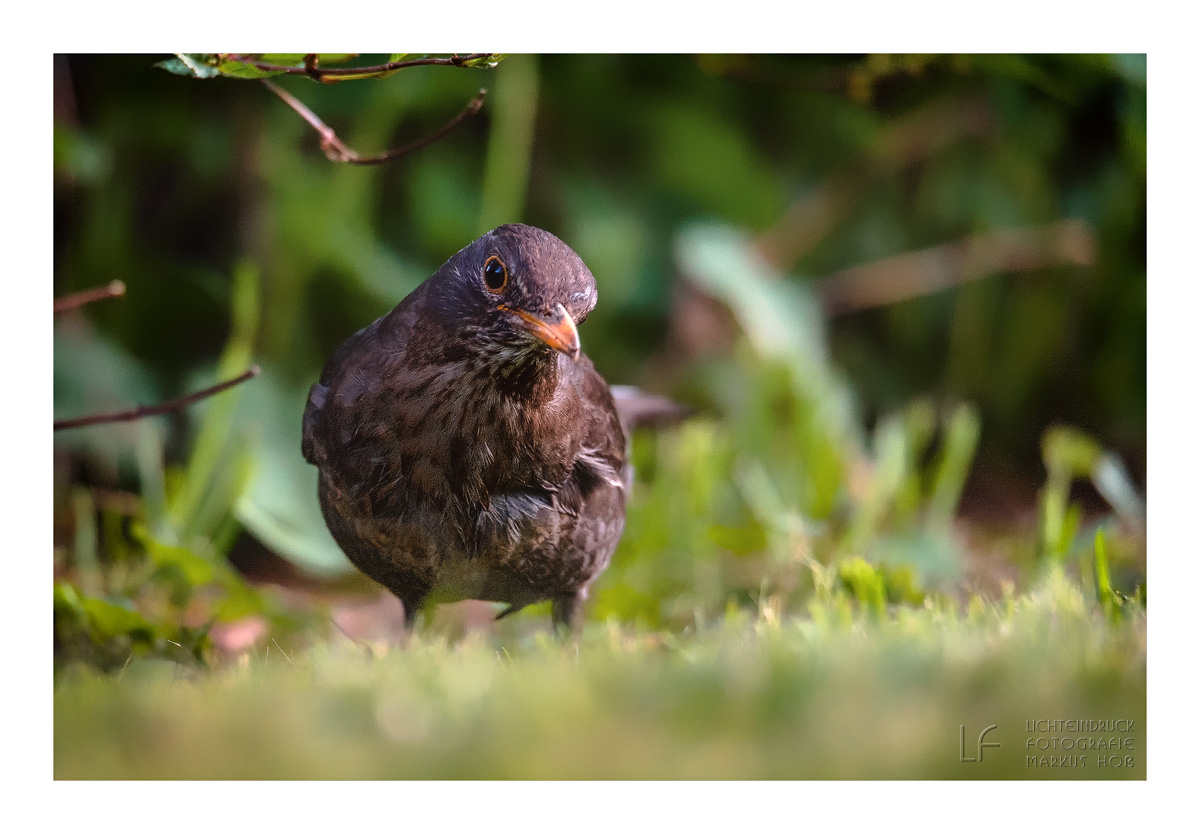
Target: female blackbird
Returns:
[466, 448]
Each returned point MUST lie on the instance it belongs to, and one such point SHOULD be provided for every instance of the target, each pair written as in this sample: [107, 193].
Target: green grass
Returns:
[834, 692]
[797, 593]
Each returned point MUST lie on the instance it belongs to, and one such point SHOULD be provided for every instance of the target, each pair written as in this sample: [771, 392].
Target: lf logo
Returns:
[962, 744]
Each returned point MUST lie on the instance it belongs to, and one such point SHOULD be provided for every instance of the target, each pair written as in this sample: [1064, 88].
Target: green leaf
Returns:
[196, 570]
[210, 65]
[279, 505]
[1113, 481]
[1069, 453]
[902, 585]
[242, 69]
[176, 66]
[954, 464]
[202, 498]
[1103, 582]
[779, 318]
[195, 64]
[241, 600]
[67, 598]
[866, 583]
[115, 618]
[488, 62]
[1108, 599]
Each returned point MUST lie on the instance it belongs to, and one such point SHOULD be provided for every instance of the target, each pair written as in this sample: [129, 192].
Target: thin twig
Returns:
[338, 151]
[311, 69]
[151, 410]
[925, 271]
[70, 302]
[330, 143]
[470, 110]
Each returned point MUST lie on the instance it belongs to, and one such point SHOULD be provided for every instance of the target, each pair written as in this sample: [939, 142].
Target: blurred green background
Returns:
[905, 294]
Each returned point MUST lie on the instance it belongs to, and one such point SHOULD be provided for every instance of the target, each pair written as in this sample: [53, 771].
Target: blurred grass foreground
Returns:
[905, 296]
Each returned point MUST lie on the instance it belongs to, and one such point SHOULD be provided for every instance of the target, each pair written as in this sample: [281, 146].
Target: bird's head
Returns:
[515, 293]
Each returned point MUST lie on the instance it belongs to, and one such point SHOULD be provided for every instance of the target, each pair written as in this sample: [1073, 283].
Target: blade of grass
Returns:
[1104, 591]
[149, 453]
[86, 544]
[216, 425]
[953, 466]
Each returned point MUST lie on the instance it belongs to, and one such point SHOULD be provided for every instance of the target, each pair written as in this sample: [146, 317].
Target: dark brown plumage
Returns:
[466, 448]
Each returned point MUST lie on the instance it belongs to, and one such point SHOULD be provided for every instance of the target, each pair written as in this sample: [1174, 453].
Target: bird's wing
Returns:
[602, 454]
[351, 369]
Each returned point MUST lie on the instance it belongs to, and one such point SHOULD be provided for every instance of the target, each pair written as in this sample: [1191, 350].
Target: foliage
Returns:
[165, 581]
[795, 555]
[269, 65]
[837, 695]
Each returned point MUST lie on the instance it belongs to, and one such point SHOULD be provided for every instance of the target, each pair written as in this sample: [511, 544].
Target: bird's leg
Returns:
[512, 609]
[564, 611]
[412, 607]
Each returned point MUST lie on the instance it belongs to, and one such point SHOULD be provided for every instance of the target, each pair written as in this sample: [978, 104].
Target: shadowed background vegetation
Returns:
[905, 295]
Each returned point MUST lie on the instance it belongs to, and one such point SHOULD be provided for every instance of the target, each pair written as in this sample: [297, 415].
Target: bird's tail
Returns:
[636, 408]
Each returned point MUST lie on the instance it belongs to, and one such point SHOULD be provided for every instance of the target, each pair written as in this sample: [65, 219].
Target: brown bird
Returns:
[466, 448]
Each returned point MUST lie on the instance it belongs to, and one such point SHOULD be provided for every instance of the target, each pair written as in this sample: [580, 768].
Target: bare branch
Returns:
[925, 271]
[70, 302]
[906, 142]
[338, 151]
[330, 144]
[311, 69]
[470, 110]
[151, 410]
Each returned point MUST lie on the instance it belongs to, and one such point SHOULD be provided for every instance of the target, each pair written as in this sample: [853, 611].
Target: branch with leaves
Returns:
[266, 65]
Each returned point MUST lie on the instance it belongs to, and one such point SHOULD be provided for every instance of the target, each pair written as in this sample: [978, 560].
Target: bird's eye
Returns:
[495, 274]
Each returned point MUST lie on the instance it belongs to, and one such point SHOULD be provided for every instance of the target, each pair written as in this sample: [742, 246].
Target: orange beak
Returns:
[558, 331]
